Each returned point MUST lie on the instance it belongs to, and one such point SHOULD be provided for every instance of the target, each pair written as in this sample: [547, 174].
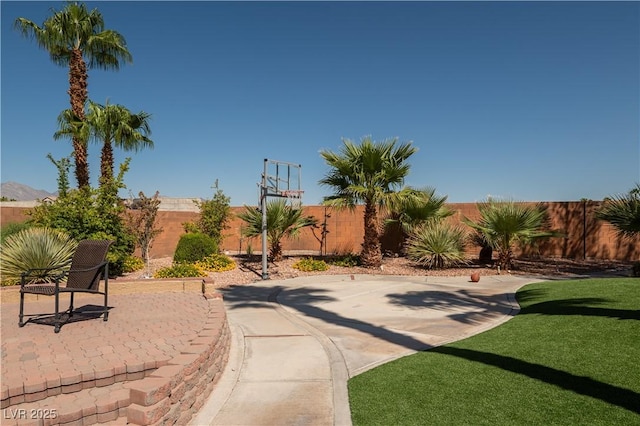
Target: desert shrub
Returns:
[94, 214]
[36, 248]
[194, 247]
[132, 264]
[437, 245]
[348, 260]
[141, 222]
[309, 265]
[216, 263]
[11, 229]
[214, 217]
[180, 270]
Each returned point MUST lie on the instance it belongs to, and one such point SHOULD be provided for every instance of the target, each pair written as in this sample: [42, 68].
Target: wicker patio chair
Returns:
[88, 267]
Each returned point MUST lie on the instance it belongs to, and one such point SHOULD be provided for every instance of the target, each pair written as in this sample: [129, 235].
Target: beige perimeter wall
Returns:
[585, 236]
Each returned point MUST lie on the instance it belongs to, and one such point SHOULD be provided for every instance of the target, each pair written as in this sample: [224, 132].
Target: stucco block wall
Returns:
[584, 235]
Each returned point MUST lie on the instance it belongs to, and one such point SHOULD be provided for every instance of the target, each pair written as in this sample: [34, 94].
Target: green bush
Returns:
[216, 263]
[91, 214]
[12, 229]
[214, 216]
[36, 248]
[348, 260]
[132, 264]
[309, 265]
[194, 247]
[180, 270]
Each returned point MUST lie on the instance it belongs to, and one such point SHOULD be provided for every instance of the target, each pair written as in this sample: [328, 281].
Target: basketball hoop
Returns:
[293, 196]
[277, 176]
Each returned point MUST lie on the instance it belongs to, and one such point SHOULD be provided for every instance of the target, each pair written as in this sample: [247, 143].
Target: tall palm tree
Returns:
[282, 221]
[623, 212]
[504, 224]
[109, 125]
[115, 125]
[372, 173]
[75, 37]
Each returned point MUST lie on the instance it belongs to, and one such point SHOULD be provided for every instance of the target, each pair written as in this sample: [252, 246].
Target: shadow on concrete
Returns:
[483, 306]
[303, 299]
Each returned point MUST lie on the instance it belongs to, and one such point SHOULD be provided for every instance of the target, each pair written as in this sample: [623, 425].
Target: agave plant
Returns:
[36, 248]
[437, 244]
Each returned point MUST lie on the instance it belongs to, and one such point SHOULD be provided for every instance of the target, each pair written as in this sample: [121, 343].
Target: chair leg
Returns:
[58, 321]
[105, 316]
[21, 315]
[71, 305]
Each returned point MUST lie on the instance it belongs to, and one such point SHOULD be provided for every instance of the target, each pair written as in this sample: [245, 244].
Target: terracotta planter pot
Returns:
[475, 277]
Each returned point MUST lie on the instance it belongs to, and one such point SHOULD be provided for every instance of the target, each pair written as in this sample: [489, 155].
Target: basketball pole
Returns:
[276, 186]
[263, 206]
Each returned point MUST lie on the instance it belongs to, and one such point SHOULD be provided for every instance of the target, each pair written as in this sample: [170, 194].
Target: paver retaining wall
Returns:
[140, 387]
[174, 393]
[585, 236]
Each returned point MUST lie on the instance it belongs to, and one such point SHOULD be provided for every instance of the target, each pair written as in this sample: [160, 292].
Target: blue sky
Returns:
[535, 101]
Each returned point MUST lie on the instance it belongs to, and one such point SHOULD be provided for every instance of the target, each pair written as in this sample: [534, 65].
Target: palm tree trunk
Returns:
[371, 255]
[78, 97]
[276, 251]
[106, 163]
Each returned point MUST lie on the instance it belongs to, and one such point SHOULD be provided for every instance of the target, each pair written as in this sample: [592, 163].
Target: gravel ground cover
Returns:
[249, 269]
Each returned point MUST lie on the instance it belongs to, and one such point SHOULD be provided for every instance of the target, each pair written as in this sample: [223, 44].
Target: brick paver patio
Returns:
[92, 371]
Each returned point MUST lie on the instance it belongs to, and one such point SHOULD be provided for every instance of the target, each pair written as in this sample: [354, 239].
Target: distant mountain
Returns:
[19, 192]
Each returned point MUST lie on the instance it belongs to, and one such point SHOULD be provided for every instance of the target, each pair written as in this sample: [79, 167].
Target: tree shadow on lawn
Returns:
[578, 306]
[611, 394]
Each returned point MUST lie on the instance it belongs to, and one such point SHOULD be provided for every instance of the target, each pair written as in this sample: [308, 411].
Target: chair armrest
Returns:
[44, 272]
[93, 268]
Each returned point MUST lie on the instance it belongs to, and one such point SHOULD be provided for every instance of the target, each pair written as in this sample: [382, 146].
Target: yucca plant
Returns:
[32, 248]
[437, 245]
[11, 229]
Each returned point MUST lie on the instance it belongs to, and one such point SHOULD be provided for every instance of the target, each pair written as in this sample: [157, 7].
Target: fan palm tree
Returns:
[282, 221]
[109, 125]
[75, 38]
[504, 224]
[425, 206]
[623, 212]
[115, 125]
[372, 173]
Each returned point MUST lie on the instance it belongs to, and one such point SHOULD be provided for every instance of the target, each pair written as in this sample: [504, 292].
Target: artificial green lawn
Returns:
[570, 357]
